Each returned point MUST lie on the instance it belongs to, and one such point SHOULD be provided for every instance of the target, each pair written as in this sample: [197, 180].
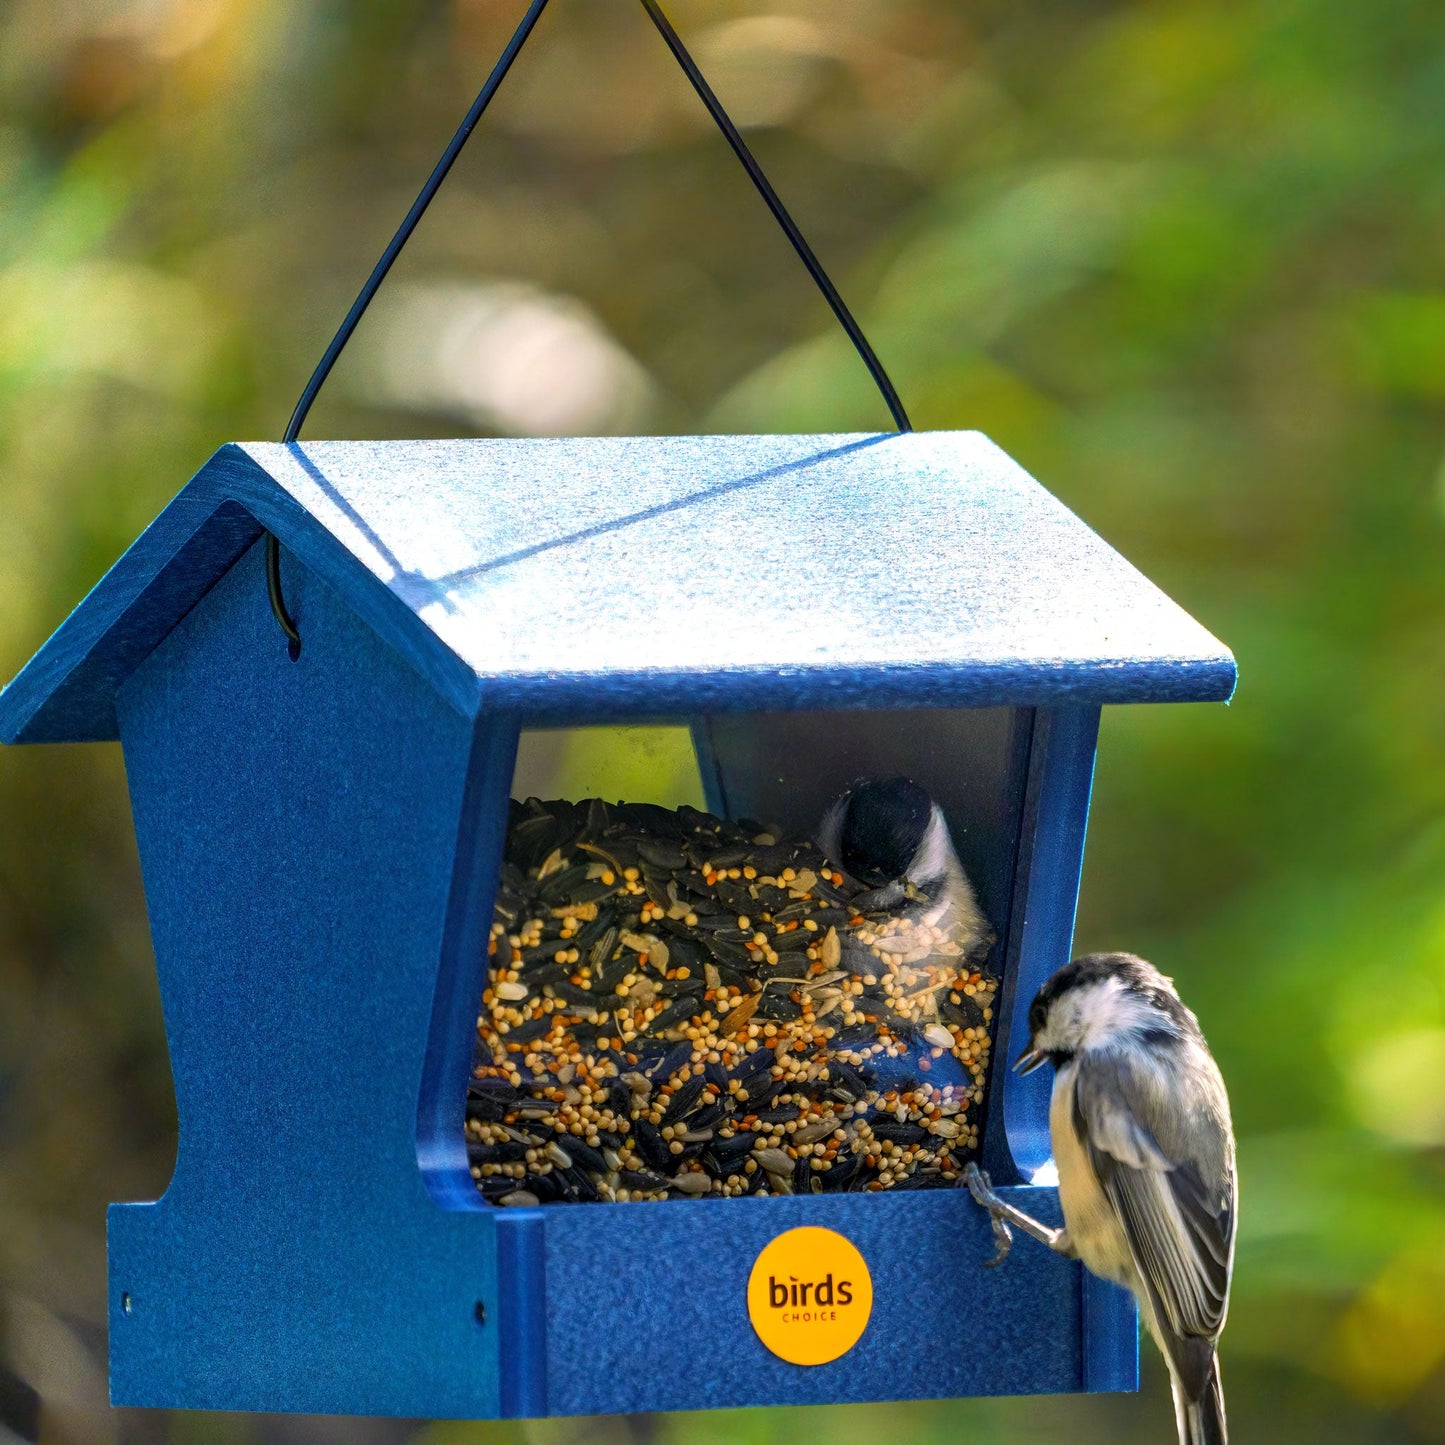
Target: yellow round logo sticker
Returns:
[810, 1296]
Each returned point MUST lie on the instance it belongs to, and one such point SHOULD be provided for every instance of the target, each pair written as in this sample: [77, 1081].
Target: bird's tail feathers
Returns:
[1201, 1421]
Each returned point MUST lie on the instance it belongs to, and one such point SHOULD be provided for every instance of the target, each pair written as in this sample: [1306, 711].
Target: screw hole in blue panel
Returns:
[125, 1302]
[479, 1312]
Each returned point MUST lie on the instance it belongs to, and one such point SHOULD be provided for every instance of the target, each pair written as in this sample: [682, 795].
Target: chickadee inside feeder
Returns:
[891, 835]
[1145, 1152]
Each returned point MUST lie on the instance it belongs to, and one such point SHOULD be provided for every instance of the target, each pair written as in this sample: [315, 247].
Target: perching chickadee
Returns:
[889, 834]
[1145, 1153]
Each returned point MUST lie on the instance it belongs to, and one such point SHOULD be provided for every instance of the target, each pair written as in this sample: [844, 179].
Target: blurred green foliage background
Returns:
[1185, 259]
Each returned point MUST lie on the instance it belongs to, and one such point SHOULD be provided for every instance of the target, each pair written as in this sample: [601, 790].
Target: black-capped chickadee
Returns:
[889, 834]
[1145, 1152]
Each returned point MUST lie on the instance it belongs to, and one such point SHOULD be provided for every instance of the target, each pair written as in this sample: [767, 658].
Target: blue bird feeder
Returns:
[320, 840]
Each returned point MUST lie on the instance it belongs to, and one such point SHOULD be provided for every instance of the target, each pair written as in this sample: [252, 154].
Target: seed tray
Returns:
[682, 1006]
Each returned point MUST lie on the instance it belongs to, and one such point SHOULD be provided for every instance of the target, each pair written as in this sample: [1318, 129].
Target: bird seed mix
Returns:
[679, 1005]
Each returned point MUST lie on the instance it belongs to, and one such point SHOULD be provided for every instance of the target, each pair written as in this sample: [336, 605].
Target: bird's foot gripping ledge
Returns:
[1005, 1218]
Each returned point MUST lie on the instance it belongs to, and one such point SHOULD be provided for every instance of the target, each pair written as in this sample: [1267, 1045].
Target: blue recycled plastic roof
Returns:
[595, 578]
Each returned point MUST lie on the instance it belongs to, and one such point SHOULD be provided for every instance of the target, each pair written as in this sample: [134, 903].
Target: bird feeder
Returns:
[320, 839]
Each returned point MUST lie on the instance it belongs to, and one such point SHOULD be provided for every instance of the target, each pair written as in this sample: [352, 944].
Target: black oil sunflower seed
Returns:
[584, 1156]
[751, 1064]
[683, 1100]
[738, 1147]
[564, 886]
[966, 1013]
[899, 1133]
[546, 975]
[530, 1031]
[684, 951]
[641, 1179]
[765, 1091]
[669, 1062]
[785, 1114]
[728, 858]
[614, 972]
[793, 942]
[732, 971]
[651, 1145]
[845, 1081]
[662, 853]
[546, 1188]
[494, 1186]
[682, 987]
[650, 818]
[715, 922]
[708, 1117]
[778, 1006]
[486, 1109]
[673, 1016]
[507, 1152]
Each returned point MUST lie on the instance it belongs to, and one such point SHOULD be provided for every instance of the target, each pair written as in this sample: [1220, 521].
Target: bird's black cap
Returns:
[1135, 973]
[883, 826]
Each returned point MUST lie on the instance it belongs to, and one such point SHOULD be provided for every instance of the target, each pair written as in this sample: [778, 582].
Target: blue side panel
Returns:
[1111, 1335]
[646, 1305]
[461, 974]
[299, 828]
[1041, 933]
[1041, 929]
[522, 1300]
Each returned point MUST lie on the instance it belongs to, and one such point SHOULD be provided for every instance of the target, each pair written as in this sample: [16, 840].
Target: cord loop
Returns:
[439, 173]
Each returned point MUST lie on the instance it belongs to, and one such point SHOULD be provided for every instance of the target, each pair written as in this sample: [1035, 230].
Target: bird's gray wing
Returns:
[1167, 1167]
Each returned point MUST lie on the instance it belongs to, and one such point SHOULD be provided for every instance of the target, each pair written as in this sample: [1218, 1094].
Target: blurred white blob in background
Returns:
[503, 356]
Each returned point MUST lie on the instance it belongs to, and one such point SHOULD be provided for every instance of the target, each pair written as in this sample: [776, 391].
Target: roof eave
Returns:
[67, 691]
[554, 699]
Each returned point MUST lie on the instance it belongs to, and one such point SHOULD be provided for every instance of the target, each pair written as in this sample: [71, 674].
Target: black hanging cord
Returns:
[373, 284]
[279, 609]
[439, 174]
[780, 214]
[413, 216]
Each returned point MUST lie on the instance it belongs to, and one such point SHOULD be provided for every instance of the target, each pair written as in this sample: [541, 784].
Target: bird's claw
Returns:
[978, 1183]
[1003, 1239]
[981, 1187]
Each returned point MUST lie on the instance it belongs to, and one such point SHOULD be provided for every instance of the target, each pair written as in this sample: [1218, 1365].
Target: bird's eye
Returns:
[1037, 1015]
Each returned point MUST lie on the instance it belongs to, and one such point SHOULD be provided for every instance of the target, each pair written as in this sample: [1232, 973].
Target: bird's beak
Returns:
[1029, 1060]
